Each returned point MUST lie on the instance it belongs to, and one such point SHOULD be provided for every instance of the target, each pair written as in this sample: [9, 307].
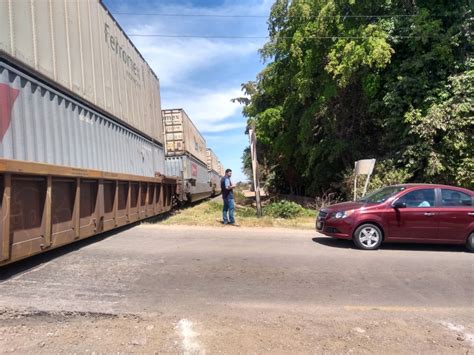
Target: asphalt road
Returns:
[194, 290]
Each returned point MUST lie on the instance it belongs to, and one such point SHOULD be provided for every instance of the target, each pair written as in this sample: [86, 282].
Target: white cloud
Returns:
[175, 59]
[181, 62]
[226, 139]
[220, 127]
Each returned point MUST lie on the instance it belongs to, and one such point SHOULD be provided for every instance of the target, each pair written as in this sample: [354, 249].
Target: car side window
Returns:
[453, 198]
[421, 198]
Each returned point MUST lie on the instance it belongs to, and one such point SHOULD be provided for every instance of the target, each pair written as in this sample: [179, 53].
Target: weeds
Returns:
[286, 209]
[278, 214]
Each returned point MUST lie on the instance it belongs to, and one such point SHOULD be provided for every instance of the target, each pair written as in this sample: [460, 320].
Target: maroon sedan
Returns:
[419, 213]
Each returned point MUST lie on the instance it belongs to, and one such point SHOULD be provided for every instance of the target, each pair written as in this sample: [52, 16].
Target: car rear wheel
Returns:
[368, 237]
[470, 243]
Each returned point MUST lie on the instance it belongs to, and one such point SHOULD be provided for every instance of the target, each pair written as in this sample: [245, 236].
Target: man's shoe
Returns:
[234, 224]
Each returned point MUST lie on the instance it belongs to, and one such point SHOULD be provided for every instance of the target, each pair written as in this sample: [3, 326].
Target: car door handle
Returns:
[429, 214]
[470, 213]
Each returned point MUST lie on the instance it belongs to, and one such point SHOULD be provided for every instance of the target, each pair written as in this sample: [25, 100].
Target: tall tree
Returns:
[347, 80]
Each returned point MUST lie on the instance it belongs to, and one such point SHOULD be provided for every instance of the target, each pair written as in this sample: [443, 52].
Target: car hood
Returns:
[344, 206]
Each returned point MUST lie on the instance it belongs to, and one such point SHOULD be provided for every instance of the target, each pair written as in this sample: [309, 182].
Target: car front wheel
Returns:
[368, 237]
[470, 243]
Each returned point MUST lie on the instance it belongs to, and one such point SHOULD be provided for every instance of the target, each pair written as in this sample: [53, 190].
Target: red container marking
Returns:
[8, 96]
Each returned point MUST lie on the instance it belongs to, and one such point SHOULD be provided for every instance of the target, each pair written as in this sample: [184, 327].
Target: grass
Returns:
[209, 213]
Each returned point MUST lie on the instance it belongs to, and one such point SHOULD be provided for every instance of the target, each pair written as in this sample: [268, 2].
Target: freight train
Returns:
[84, 145]
[187, 157]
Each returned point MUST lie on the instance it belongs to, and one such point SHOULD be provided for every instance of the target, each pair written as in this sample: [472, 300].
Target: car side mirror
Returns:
[399, 204]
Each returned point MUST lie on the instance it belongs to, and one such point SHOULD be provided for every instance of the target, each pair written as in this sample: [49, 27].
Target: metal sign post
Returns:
[363, 167]
[256, 183]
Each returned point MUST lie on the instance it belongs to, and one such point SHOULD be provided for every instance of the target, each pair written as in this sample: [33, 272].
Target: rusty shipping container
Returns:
[79, 47]
[182, 136]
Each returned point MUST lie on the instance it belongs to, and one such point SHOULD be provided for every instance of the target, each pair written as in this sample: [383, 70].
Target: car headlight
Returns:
[342, 214]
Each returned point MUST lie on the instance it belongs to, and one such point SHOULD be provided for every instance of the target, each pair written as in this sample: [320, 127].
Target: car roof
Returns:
[432, 186]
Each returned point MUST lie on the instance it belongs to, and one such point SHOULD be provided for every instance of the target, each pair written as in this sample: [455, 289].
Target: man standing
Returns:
[228, 197]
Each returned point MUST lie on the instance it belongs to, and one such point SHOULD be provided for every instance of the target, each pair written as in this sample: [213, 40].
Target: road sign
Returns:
[363, 167]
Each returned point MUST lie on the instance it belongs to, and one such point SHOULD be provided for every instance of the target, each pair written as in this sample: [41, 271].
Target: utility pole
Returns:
[253, 155]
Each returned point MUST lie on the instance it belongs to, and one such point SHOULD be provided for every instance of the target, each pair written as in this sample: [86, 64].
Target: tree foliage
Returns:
[338, 88]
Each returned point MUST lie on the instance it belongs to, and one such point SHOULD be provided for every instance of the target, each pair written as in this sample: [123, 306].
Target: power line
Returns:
[187, 15]
[255, 37]
[195, 36]
[246, 16]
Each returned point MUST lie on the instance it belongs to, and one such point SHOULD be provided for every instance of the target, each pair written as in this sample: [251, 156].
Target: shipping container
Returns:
[40, 124]
[214, 167]
[79, 48]
[181, 135]
[215, 180]
[221, 169]
[213, 163]
[194, 175]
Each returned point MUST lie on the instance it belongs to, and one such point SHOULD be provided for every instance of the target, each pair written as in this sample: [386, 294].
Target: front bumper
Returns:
[332, 227]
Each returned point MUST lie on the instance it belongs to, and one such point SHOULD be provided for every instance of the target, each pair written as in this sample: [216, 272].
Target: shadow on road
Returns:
[335, 243]
[347, 244]
[21, 266]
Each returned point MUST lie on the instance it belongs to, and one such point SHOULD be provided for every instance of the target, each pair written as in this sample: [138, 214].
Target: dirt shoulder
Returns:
[261, 330]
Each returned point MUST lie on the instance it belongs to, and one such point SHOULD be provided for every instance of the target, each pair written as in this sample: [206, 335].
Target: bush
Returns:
[240, 199]
[285, 209]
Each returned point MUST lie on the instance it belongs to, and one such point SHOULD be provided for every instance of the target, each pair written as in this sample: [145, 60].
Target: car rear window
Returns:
[453, 198]
[382, 195]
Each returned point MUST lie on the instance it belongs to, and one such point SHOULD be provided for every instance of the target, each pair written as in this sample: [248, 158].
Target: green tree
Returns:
[339, 87]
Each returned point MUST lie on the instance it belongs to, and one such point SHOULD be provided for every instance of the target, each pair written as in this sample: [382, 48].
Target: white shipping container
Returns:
[212, 161]
[196, 179]
[40, 124]
[78, 46]
[186, 138]
[222, 169]
[215, 179]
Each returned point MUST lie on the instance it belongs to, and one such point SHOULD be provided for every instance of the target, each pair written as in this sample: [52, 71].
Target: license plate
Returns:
[319, 225]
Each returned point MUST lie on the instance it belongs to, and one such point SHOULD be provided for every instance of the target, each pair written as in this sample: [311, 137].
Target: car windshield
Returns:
[381, 195]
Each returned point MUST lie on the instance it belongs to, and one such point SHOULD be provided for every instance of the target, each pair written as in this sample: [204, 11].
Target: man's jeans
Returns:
[228, 208]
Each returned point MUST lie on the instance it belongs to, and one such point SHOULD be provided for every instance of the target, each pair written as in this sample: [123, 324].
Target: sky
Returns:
[201, 75]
